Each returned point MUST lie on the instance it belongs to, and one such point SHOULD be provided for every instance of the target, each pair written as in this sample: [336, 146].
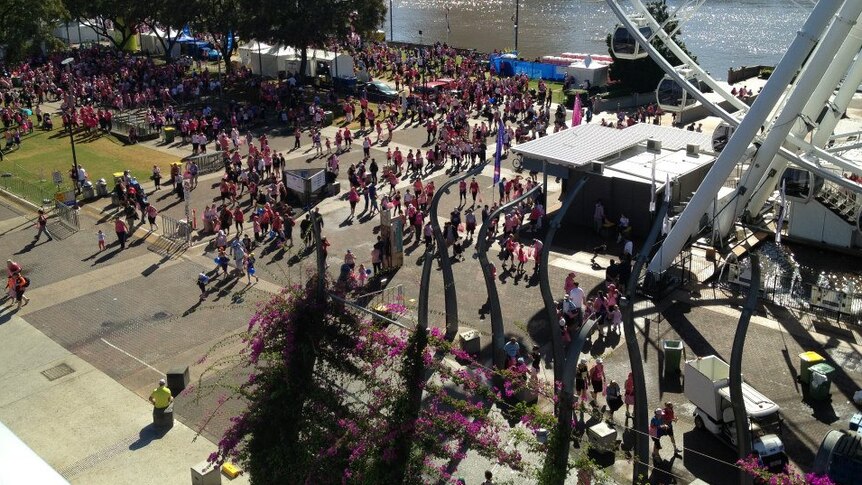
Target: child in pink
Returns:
[362, 277]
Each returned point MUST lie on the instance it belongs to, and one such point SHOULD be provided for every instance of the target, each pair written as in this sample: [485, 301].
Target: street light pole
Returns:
[74, 155]
[517, 13]
[69, 108]
[391, 28]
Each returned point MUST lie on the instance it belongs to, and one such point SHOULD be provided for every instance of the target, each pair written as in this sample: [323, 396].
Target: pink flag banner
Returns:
[576, 112]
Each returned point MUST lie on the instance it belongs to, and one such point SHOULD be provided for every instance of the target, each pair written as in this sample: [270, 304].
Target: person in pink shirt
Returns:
[353, 198]
[522, 257]
[570, 282]
[537, 253]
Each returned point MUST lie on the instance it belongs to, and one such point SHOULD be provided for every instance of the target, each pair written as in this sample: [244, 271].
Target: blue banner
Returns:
[498, 154]
[229, 41]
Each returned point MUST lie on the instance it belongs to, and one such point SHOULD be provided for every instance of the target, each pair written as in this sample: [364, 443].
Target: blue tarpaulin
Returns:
[507, 65]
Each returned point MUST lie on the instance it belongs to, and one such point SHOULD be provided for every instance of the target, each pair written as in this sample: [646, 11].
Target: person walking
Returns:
[474, 191]
[656, 430]
[597, 379]
[161, 399]
[100, 237]
[629, 397]
[151, 217]
[157, 176]
[668, 418]
[249, 267]
[203, 279]
[582, 373]
[21, 284]
[238, 252]
[614, 399]
[42, 224]
[121, 228]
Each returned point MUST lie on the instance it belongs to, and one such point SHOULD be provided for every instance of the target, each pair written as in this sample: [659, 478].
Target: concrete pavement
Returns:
[131, 315]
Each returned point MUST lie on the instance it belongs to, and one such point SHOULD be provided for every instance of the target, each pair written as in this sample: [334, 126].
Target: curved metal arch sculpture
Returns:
[743, 433]
[565, 422]
[545, 284]
[497, 329]
[316, 220]
[641, 417]
[449, 294]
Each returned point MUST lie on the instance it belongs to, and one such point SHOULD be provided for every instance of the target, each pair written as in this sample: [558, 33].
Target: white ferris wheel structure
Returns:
[788, 131]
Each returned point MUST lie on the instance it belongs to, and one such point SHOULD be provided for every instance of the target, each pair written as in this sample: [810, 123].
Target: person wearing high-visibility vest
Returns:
[161, 396]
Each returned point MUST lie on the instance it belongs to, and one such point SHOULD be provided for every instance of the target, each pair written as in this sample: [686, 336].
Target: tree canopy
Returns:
[123, 16]
[643, 75]
[312, 23]
[26, 26]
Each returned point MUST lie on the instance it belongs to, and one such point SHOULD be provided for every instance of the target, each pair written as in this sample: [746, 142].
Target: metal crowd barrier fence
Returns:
[121, 128]
[793, 293]
[176, 230]
[67, 216]
[34, 193]
[209, 162]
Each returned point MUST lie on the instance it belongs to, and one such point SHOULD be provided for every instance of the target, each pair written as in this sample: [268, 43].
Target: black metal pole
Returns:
[743, 434]
[74, 155]
[391, 28]
[517, 15]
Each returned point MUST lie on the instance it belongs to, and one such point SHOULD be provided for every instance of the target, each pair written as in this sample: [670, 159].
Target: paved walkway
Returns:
[122, 318]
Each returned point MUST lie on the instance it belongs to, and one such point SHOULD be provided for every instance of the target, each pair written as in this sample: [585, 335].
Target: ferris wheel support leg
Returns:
[836, 109]
[844, 28]
[781, 77]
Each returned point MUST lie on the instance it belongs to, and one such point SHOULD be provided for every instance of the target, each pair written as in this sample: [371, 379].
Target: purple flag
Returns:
[576, 112]
[498, 154]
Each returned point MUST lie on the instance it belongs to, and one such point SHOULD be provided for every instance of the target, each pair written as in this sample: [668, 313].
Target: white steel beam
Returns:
[803, 44]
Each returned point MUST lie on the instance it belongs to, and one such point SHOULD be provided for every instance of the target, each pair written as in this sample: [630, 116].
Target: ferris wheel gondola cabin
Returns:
[721, 135]
[801, 184]
[671, 96]
[623, 43]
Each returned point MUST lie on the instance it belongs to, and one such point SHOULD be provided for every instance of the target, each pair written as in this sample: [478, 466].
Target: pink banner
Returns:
[576, 112]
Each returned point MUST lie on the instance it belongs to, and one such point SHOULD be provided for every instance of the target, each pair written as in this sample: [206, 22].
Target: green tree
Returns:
[220, 20]
[166, 16]
[26, 26]
[313, 23]
[643, 75]
[115, 20]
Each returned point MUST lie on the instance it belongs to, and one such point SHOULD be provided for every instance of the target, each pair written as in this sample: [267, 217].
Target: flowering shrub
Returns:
[334, 398]
[789, 476]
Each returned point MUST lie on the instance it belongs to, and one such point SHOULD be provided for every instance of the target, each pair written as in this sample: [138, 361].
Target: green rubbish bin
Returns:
[672, 350]
[806, 360]
[170, 134]
[821, 381]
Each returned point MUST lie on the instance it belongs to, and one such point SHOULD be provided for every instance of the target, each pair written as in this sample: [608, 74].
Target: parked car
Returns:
[379, 91]
[432, 89]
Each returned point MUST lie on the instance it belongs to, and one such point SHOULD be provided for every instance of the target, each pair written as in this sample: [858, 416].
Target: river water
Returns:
[722, 34]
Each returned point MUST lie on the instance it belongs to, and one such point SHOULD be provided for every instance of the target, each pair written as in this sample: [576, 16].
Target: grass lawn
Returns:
[42, 153]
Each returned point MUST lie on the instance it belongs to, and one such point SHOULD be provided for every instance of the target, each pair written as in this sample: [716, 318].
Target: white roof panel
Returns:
[580, 145]
[673, 138]
[583, 144]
